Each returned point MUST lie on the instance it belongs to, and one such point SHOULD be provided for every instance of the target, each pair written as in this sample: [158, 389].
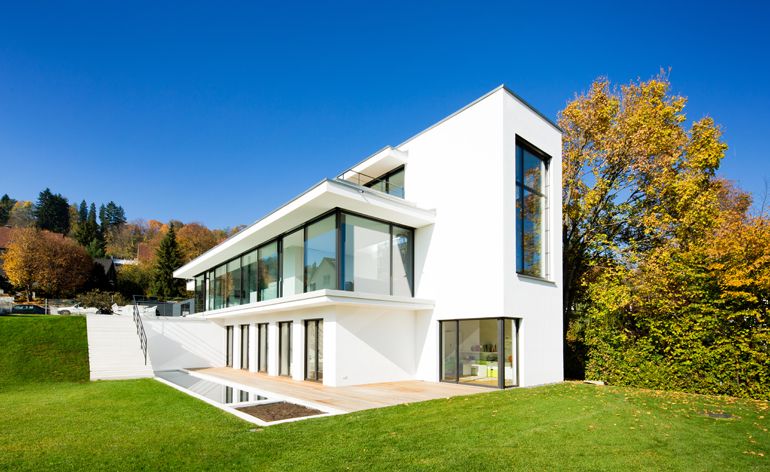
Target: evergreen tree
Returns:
[6, 205]
[168, 258]
[52, 212]
[93, 240]
[113, 215]
[83, 212]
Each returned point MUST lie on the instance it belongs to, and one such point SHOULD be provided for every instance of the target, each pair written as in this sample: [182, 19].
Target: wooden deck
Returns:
[346, 399]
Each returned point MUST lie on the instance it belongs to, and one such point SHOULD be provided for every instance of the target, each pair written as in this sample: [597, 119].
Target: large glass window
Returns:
[220, 286]
[268, 271]
[481, 351]
[402, 257]
[233, 281]
[292, 263]
[374, 257]
[249, 274]
[321, 255]
[366, 245]
[530, 211]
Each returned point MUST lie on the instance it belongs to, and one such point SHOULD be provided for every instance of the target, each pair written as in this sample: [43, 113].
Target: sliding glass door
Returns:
[481, 351]
[284, 348]
[314, 345]
[262, 347]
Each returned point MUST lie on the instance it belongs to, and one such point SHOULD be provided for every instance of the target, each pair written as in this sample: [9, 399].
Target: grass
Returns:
[42, 348]
[142, 424]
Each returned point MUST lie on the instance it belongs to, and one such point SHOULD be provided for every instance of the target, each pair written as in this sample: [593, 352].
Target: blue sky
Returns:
[219, 112]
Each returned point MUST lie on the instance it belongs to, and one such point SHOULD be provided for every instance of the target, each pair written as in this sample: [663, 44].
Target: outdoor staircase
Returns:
[114, 349]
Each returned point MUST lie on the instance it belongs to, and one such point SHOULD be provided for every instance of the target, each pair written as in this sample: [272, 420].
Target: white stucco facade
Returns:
[460, 199]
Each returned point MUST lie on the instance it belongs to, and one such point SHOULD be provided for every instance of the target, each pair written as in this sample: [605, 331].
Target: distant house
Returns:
[108, 266]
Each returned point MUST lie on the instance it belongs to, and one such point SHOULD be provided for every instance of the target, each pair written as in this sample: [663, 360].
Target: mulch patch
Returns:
[279, 411]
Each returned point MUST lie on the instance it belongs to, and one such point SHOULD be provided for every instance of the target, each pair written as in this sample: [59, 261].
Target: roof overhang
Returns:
[379, 163]
[325, 196]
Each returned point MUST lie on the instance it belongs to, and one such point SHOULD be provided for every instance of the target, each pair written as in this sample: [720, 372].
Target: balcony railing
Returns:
[376, 183]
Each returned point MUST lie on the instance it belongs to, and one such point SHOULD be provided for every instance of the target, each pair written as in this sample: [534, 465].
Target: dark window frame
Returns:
[337, 212]
[229, 342]
[516, 324]
[245, 360]
[316, 322]
[386, 178]
[260, 360]
[280, 346]
[521, 187]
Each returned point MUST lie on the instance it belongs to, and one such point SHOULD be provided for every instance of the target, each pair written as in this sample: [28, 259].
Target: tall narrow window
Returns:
[229, 346]
[262, 347]
[245, 347]
[314, 346]
[402, 257]
[220, 286]
[284, 348]
[531, 203]
[200, 293]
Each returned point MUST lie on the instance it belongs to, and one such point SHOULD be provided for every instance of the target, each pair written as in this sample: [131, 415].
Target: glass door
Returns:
[284, 348]
[480, 351]
[229, 346]
[262, 347]
[314, 339]
[245, 347]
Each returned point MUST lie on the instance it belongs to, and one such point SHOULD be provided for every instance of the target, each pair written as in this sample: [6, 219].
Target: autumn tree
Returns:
[168, 258]
[45, 261]
[21, 259]
[633, 177]
[52, 212]
[195, 239]
[22, 215]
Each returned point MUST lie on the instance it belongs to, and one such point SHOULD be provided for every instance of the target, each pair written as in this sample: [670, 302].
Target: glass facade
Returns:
[480, 351]
[284, 348]
[530, 211]
[339, 250]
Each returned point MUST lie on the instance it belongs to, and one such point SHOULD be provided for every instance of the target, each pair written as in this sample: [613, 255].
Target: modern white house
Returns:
[438, 259]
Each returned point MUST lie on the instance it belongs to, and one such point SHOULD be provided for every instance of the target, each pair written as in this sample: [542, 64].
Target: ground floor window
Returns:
[245, 347]
[284, 348]
[480, 351]
[229, 346]
[314, 345]
[262, 347]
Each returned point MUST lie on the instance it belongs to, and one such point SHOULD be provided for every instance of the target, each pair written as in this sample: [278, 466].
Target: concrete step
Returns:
[114, 350]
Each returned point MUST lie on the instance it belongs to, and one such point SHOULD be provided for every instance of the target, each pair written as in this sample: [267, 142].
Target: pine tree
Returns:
[52, 212]
[168, 258]
[6, 205]
[83, 212]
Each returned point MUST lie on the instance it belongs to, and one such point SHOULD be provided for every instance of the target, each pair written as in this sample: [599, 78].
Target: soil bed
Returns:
[279, 411]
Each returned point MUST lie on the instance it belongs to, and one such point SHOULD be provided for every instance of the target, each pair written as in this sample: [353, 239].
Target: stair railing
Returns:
[140, 331]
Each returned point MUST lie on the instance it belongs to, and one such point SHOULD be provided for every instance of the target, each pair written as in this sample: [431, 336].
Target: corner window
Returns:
[531, 205]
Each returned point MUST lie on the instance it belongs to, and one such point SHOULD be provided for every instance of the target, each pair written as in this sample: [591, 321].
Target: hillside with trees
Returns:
[55, 247]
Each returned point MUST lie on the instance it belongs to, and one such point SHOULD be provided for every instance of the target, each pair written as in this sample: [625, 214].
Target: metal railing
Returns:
[140, 331]
[364, 180]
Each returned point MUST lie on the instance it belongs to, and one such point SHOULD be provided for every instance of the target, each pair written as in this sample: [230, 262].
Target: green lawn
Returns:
[41, 348]
[142, 424]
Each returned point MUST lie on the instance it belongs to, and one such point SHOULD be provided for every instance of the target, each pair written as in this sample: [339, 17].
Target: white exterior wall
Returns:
[175, 343]
[464, 167]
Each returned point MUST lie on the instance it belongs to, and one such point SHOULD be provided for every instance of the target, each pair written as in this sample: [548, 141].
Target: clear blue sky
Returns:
[219, 112]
